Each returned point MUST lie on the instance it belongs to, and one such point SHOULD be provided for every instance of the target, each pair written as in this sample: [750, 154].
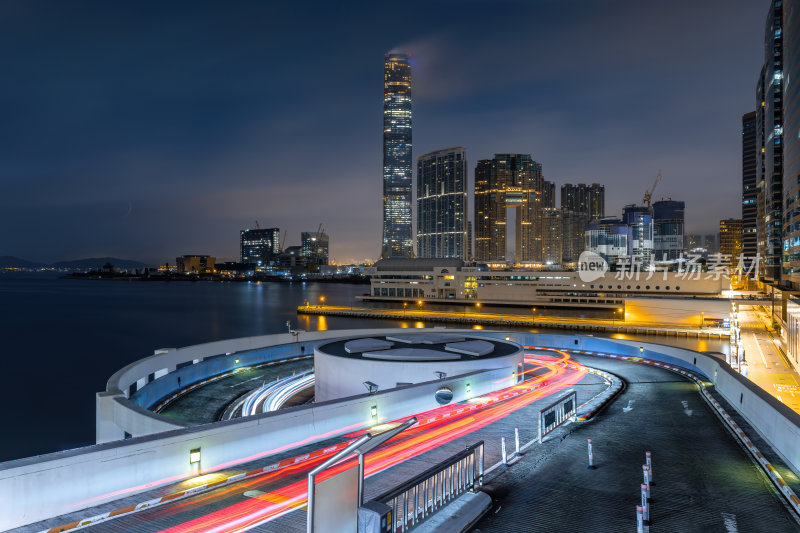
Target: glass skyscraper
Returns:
[397, 240]
[668, 221]
[749, 190]
[769, 143]
[442, 204]
[791, 148]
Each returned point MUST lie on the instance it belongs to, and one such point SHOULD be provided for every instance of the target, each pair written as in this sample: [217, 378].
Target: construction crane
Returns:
[283, 242]
[649, 194]
[257, 226]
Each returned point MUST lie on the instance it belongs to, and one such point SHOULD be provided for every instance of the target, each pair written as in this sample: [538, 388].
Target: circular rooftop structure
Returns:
[356, 365]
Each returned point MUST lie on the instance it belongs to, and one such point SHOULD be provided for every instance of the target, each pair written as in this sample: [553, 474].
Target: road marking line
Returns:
[759, 349]
[730, 522]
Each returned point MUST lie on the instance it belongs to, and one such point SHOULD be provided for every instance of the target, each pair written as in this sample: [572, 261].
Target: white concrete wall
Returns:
[338, 377]
[112, 422]
[63, 482]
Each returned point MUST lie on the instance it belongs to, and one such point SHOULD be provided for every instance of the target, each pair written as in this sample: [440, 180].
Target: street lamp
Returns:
[321, 301]
[405, 304]
[533, 314]
[702, 319]
[419, 304]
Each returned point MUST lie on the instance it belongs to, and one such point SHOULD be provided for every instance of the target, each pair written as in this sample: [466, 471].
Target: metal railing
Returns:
[557, 413]
[420, 497]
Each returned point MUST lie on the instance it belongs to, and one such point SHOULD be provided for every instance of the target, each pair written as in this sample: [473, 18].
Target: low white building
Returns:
[455, 280]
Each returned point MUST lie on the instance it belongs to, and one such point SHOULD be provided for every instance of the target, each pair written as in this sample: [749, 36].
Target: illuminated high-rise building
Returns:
[552, 237]
[314, 247]
[573, 242]
[791, 146]
[769, 146]
[548, 194]
[397, 241]
[581, 198]
[730, 240]
[259, 246]
[668, 225]
[749, 190]
[442, 204]
[640, 220]
[508, 181]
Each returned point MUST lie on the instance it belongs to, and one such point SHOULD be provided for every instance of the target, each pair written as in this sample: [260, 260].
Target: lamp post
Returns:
[702, 319]
[405, 304]
[321, 301]
[533, 315]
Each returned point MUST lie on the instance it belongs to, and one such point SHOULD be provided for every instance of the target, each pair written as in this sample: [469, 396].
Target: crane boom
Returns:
[648, 195]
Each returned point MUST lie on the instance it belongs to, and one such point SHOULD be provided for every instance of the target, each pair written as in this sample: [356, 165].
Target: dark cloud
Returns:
[149, 130]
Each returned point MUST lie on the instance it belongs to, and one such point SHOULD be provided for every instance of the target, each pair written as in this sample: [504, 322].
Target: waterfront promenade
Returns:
[479, 319]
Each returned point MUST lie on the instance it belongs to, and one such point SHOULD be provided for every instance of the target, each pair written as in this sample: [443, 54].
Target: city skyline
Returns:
[183, 163]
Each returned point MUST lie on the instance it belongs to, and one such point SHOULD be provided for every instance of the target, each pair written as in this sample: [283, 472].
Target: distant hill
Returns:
[9, 261]
[95, 263]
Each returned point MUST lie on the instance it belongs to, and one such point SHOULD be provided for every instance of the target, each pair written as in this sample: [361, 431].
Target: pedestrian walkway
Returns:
[767, 366]
[703, 479]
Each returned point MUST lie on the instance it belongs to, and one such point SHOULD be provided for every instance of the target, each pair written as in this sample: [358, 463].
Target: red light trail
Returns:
[287, 487]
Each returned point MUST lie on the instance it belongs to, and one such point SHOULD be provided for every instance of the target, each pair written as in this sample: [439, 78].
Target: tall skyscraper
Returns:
[470, 238]
[668, 222]
[573, 241]
[397, 241]
[552, 237]
[769, 138]
[730, 239]
[259, 246]
[749, 190]
[508, 181]
[548, 194]
[442, 204]
[581, 198]
[791, 146]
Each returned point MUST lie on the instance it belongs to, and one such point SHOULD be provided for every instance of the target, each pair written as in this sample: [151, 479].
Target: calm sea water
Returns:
[62, 339]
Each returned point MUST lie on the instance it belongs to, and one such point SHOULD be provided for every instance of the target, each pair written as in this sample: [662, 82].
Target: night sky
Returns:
[146, 130]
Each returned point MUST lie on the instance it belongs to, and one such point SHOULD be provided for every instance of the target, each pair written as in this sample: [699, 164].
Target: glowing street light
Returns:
[405, 304]
[321, 301]
[533, 314]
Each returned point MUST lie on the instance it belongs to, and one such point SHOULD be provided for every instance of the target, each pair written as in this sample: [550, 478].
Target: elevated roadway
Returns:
[258, 501]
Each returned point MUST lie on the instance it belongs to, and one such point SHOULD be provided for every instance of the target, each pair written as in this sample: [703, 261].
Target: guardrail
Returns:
[418, 498]
[557, 413]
